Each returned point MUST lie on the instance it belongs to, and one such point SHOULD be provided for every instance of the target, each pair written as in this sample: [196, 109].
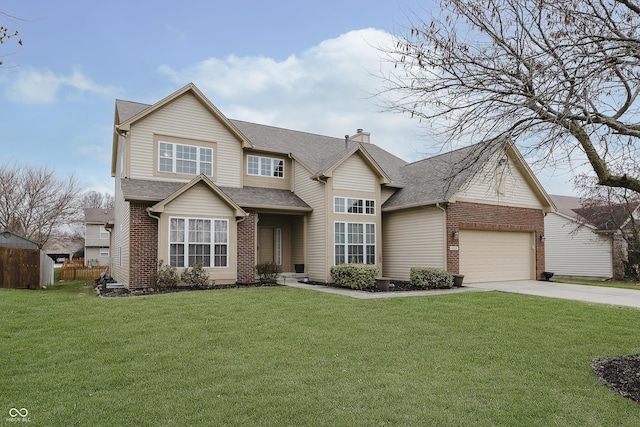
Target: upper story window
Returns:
[104, 234]
[185, 159]
[265, 166]
[354, 206]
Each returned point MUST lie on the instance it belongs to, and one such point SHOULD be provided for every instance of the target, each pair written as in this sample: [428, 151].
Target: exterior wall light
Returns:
[542, 238]
[455, 235]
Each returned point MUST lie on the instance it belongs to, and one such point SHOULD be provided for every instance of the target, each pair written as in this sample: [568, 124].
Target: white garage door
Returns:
[496, 255]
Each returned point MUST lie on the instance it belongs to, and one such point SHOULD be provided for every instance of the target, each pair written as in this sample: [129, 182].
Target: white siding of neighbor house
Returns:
[575, 251]
[200, 202]
[187, 118]
[355, 175]
[314, 194]
[483, 187]
[413, 238]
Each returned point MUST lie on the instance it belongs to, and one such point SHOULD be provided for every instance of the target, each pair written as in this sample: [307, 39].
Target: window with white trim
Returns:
[104, 234]
[104, 251]
[265, 166]
[184, 159]
[354, 242]
[198, 241]
[350, 205]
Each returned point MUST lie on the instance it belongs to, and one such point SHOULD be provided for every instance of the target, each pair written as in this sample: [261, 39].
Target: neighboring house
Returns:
[59, 251]
[585, 241]
[192, 186]
[97, 236]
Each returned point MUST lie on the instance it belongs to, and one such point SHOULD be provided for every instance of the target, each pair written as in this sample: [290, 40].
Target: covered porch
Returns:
[281, 239]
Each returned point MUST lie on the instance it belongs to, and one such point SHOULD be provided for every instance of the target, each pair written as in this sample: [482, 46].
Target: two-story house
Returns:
[97, 238]
[193, 186]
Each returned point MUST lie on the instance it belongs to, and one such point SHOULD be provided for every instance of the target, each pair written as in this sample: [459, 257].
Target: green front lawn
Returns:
[284, 356]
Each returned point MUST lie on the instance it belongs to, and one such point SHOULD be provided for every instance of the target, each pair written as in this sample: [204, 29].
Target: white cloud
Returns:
[33, 86]
[327, 90]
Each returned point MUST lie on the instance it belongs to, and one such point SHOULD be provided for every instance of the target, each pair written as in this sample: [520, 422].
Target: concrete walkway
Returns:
[593, 294]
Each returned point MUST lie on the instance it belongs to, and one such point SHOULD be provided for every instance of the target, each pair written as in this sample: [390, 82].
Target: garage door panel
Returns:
[495, 255]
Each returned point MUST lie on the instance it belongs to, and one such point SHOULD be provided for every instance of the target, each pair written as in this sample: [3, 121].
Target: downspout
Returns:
[151, 215]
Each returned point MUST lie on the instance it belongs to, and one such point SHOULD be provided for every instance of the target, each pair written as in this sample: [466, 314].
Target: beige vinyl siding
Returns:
[264, 181]
[185, 118]
[355, 175]
[484, 186]
[201, 202]
[92, 255]
[413, 238]
[354, 179]
[92, 236]
[570, 250]
[120, 237]
[313, 193]
[385, 193]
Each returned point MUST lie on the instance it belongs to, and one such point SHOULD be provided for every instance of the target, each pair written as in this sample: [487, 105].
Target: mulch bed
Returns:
[398, 286]
[621, 374]
[102, 291]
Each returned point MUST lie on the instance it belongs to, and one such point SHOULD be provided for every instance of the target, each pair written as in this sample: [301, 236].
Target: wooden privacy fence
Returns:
[20, 268]
[74, 269]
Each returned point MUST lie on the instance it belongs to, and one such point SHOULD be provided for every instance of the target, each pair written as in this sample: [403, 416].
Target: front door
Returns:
[266, 245]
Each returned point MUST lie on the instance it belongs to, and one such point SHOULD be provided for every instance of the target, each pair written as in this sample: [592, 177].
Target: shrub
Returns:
[166, 276]
[196, 277]
[268, 272]
[355, 276]
[430, 278]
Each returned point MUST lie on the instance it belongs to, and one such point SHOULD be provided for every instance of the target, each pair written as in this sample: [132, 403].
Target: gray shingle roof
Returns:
[98, 216]
[438, 178]
[428, 181]
[155, 191]
[128, 109]
[318, 152]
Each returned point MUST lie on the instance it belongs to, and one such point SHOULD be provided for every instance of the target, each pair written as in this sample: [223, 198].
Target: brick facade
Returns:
[246, 248]
[477, 216]
[143, 246]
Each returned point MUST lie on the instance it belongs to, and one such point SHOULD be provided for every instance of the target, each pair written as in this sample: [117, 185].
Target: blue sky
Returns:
[301, 65]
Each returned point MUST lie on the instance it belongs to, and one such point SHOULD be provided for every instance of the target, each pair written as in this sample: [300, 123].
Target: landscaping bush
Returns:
[268, 272]
[167, 276]
[355, 276]
[430, 278]
[196, 277]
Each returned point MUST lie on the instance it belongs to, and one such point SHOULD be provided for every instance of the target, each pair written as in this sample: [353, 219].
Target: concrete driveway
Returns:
[595, 294]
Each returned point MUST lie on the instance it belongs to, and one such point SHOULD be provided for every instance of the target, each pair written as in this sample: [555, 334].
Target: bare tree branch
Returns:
[556, 75]
[34, 203]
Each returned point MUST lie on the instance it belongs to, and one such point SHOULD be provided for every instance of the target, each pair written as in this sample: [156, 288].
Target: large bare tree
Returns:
[97, 200]
[35, 203]
[561, 76]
